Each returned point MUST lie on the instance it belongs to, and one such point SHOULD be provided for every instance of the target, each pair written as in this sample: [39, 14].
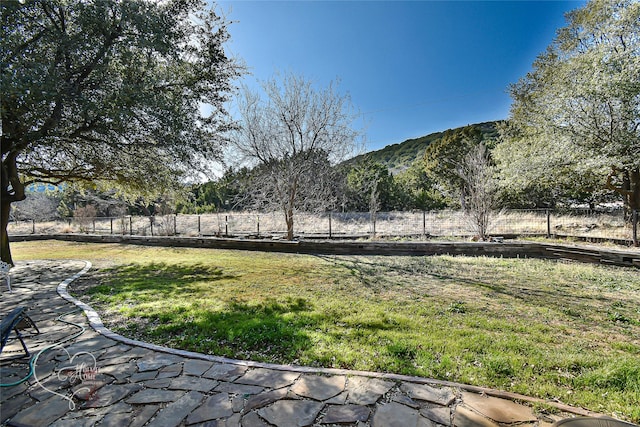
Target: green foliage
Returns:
[110, 91]
[419, 189]
[106, 203]
[223, 194]
[574, 119]
[400, 157]
[107, 90]
[416, 186]
[370, 187]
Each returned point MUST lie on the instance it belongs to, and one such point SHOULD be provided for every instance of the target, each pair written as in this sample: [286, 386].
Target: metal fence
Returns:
[420, 224]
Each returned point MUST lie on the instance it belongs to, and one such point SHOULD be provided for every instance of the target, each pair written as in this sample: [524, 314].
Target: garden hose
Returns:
[34, 359]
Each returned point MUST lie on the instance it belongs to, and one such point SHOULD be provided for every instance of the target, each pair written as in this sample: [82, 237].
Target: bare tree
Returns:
[293, 138]
[479, 189]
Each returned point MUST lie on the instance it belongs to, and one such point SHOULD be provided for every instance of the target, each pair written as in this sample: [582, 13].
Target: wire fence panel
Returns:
[592, 224]
[350, 223]
[445, 223]
[522, 222]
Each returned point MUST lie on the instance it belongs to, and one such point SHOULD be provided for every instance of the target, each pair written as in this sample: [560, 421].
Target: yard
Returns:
[562, 331]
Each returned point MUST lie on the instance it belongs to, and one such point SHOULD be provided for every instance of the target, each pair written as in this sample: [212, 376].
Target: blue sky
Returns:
[411, 68]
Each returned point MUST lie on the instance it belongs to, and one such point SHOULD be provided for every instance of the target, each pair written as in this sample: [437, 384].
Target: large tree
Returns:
[110, 91]
[578, 110]
[293, 137]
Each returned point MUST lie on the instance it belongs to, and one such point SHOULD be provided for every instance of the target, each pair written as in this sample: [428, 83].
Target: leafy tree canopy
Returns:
[110, 91]
[578, 111]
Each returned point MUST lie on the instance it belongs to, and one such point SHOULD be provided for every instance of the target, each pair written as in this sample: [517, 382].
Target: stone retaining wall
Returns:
[507, 249]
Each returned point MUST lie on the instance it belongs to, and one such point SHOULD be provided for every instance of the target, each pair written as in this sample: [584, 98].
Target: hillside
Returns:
[398, 157]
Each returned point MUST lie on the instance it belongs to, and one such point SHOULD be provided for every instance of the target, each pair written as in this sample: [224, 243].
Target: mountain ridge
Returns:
[398, 157]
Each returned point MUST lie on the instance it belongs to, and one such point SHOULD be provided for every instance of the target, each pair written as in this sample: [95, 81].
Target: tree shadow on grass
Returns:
[272, 330]
[161, 278]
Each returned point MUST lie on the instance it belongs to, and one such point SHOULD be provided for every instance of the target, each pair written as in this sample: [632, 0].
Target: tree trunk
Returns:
[628, 188]
[11, 190]
[5, 249]
[289, 221]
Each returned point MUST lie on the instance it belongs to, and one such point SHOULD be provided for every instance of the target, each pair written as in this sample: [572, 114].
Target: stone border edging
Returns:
[96, 323]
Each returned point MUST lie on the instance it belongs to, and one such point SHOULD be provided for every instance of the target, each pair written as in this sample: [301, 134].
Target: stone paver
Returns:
[367, 391]
[111, 394]
[252, 419]
[441, 415]
[190, 383]
[465, 417]
[215, 407]
[395, 415]
[116, 420]
[138, 384]
[500, 410]
[156, 361]
[341, 414]
[442, 396]
[264, 399]
[144, 415]
[155, 396]
[241, 389]
[225, 372]
[319, 387]
[196, 367]
[268, 378]
[42, 414]
[291, 413]
[176, 411]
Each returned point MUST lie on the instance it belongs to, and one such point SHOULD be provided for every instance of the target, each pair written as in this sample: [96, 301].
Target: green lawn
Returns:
[553, 330]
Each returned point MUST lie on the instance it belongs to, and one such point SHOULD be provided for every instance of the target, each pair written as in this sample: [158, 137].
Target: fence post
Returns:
[111, 226]
[33, 226]
[258, 222]
[94, 226]
[130, 226]
[226, 226]
[330, 230]
[199, 229]
[175, 226]
[635, 228]
[424, 224]
[151, 223]
[548, 223]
